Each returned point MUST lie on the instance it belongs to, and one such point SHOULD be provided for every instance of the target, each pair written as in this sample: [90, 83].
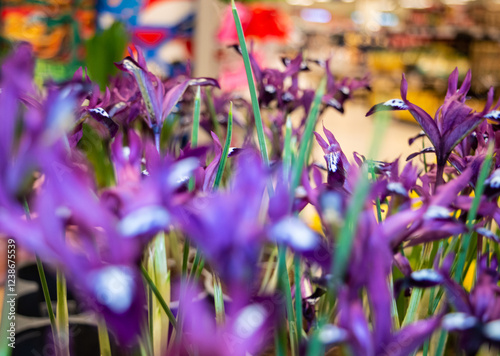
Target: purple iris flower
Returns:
[423, 278]
[73, 230]
[220, 101]
[287, 229]
[493, 115]
[232, 244]
[438, 221]
[46, 122]
[354, 329]
[338, 92]
[336, 161]
[247, 329]
[271, 82]
[477, 315]
[16, 81]
[148, 200]
[454, 120]
[125, 104]
[399, 185]
[96, 107]
[370, 266]
[158, 102]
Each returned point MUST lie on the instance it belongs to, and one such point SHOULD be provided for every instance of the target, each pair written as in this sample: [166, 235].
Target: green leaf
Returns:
[471, 216]
[102, 331]
[220, 315]
[103, 50]
[97, 153]
[225, 151]
[284, 286]
[251, 85]
[43, 282]
[287, 146]
[307, 136]
[298, 298]
[158, 295]
[62, 318]
[159, 272]
[348, 230]
[196, 128]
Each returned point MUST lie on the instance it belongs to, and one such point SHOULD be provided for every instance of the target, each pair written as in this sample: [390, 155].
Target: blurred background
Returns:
[426, 39]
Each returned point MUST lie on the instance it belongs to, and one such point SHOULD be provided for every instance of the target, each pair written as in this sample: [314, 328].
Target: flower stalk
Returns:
[251, 85]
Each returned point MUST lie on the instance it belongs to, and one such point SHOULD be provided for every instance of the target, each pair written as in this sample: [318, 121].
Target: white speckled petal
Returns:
[142, 220]
[114, 287]
[250, 319]
[437, 212]
[181, 171]
[427, 275]
[332, 160]
[396, 103]
[492, 330]
[295, 233]
[331, 334]
[458, 321]
[397, 187]
[99, 111]
[495, 115]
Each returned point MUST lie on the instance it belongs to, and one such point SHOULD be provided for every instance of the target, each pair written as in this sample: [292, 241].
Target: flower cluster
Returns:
[99, 186]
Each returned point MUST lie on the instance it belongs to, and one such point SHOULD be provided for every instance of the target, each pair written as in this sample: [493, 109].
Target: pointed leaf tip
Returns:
[389, 105]
[404, 87]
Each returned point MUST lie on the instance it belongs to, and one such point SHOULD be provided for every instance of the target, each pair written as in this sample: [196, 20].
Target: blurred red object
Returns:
[260, 22]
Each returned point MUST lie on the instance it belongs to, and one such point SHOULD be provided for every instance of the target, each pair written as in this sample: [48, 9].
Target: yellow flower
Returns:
[469, 277]
[315, 222]
[417, 202]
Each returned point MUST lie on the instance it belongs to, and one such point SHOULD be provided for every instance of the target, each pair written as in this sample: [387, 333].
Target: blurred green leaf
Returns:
[97, 153]
[5, 47]
[103, 50]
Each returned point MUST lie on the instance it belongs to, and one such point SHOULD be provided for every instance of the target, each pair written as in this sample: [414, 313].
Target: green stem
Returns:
[394, 305]
[251, 85]
[62, 319]
[194, 143]
[46, 294]
[158, 295]
[43, 282]
[315, 346]
[5, 349]
[424, 157]
[185, 256]
[225, 151]
[211, 110]
[416, 295]
[284, 286]
[377, 202]
[151, 313]
[471, 215]
[196, 127]
[411, 312]
[442, 343]
[104, 345]
[196, 261]
[199, 270]
[287, 147]
[298, 298]
[268, 271]
[220, 315]
[306, 137]
[345, 241]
